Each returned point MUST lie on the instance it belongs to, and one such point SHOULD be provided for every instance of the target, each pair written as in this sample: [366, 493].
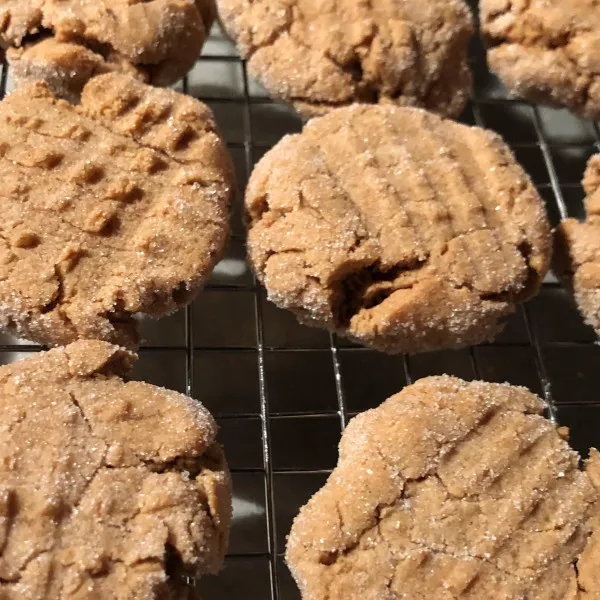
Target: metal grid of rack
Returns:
[282, 393]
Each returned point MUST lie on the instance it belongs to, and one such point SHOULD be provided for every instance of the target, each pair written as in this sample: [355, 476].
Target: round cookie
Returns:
[451, 490]
[546, 51]
[576, 259]
[107, 489]
[65, 43]
[396, 228]
[115, 207]
[322, 54]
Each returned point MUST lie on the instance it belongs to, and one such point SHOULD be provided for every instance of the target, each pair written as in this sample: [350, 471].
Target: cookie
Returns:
[115, 207]
[319, 55]
[546, 51]
[588, 565]
[576, 258]
[396, 228]
[451, 490]
[107, 489]
[65, 43]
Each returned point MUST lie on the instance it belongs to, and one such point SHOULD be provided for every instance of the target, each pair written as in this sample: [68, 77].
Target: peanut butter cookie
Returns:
[396, 228]
[546, 51]
[114, 207]
[322, 54]
[577, 250]
[65, 43]
[588, 565]
[107, 489]
[451, 490]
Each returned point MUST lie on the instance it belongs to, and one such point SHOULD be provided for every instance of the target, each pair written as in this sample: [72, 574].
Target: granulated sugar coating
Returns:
[322, 54]
[107, 489]
[396, 228]
[452, 490]
[577, 250]
[115, 207]
[546, 51]
[66, 42]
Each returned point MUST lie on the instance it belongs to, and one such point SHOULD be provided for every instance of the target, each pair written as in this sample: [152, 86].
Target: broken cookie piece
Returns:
[107, 489]
[65, 43]
[396, 228]
[111, 208]
[451, 490]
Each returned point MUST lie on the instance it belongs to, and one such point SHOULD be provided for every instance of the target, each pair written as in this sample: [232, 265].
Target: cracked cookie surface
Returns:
[107, 489]
[546, 51]
[451, 490]
[396, 228]
[322, 54]
[65, 43]
[114, 207]
[576, 258]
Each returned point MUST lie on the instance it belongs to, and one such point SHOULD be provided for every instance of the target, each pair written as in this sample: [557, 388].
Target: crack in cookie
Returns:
[319, 55]
[108, 489]
[396, 228]
[451, 490]
[115, 207]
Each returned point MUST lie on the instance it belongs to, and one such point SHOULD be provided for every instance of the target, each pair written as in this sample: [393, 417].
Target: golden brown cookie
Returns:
[115, 207]
[396, 228]
[65, 43]
[451, 490]
[107, 489]
[546, 51]
[577, 250]
[322, 54]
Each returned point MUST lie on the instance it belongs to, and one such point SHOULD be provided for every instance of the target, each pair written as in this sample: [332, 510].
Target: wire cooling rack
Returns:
[282, 393]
